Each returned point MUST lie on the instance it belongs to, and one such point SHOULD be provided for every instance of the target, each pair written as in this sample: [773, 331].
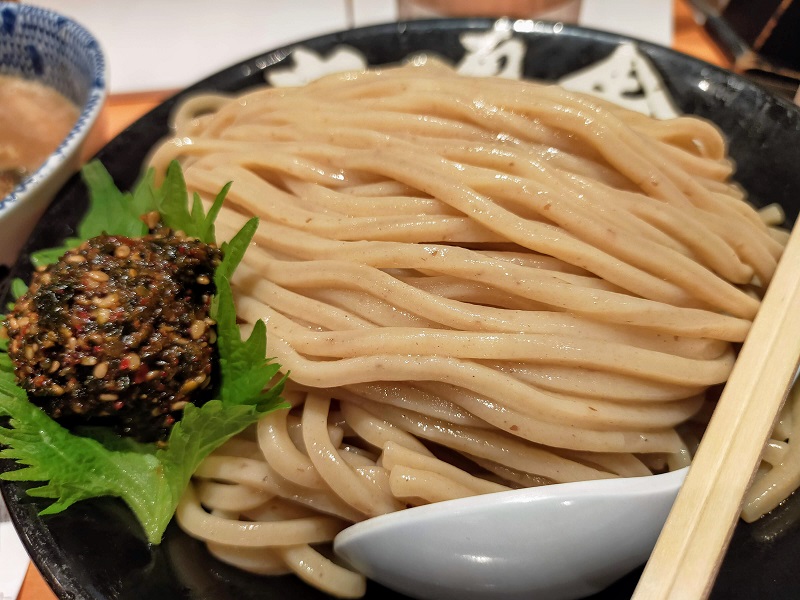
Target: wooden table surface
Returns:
[122, 110]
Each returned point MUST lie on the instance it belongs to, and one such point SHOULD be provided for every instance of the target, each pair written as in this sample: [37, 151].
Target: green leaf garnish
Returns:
[150, 480]
[18, 288]
[113, 212]
[110, 210]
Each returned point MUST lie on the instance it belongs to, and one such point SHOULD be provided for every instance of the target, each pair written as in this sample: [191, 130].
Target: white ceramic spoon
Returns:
[556, 542]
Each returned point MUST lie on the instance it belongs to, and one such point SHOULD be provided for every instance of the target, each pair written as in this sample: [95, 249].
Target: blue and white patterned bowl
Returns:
[37, 43]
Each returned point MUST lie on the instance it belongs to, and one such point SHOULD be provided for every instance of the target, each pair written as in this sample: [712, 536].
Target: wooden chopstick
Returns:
[691, 546]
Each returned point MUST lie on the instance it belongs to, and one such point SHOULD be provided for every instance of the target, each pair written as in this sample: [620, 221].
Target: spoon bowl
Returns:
[560, 541]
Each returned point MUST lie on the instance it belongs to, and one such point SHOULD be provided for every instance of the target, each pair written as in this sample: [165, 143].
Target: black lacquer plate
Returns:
[95, 550]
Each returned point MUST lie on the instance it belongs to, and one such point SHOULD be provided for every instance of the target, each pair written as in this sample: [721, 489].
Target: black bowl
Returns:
[96, 550]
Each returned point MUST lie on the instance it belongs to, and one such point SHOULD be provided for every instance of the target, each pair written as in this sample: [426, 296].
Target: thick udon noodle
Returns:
[476, 285]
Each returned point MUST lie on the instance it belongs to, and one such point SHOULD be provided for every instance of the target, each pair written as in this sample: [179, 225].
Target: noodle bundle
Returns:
[474, 285]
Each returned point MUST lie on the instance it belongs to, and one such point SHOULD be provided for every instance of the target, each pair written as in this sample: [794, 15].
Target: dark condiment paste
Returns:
[118, 330]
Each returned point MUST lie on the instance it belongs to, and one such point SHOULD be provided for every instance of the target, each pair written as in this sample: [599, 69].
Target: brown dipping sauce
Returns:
[34, 119]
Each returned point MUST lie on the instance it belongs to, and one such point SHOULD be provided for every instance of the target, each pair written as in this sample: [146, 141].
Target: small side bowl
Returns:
[42, 45]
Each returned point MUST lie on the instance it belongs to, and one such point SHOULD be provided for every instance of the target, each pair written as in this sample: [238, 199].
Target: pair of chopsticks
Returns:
[691, 546]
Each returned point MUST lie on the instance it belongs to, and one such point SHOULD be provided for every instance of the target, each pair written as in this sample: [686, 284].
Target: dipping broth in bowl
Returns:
[34, 120]
[52, 87]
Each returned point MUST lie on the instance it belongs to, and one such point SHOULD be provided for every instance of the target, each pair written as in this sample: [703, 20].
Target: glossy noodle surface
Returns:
[475, 284]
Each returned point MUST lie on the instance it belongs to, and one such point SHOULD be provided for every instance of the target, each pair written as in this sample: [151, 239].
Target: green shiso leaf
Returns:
[113, 212]
[149, 479]
[18, 288]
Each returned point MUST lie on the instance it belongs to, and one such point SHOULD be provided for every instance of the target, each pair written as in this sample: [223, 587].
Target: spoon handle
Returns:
[691, 546]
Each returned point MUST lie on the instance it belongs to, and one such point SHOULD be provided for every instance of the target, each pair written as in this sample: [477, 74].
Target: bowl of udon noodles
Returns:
[52, 86]
[492, 254]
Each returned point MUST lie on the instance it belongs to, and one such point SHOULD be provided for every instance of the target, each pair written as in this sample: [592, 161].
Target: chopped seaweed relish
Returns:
[118, 332]
[66, 466]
